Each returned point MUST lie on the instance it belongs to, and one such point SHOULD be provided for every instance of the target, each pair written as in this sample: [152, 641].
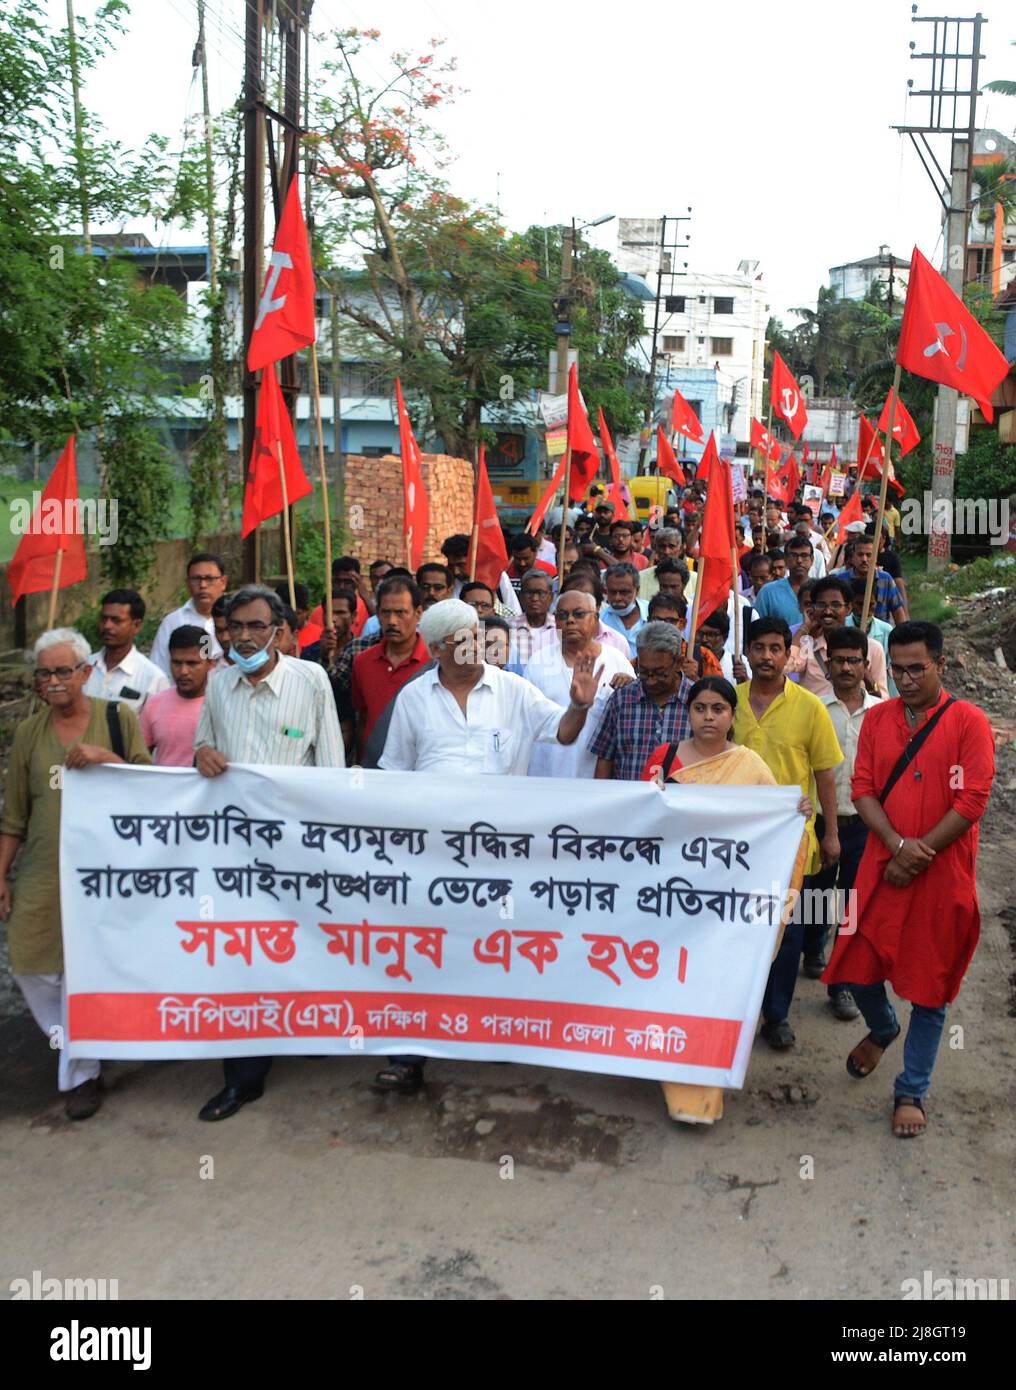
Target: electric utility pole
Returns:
[666, 265]
[955, 55]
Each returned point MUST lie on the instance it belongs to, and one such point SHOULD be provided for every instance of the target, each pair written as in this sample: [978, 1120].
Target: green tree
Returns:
[442, 294]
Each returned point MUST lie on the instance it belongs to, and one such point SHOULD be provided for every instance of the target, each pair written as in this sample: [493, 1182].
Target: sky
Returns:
[771, 121]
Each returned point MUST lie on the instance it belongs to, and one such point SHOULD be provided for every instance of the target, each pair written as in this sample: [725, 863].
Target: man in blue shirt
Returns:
[624, 611]
[779, 599]
[886, 599]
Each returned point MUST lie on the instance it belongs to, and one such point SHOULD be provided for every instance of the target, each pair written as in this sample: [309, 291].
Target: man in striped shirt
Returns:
[266, 708]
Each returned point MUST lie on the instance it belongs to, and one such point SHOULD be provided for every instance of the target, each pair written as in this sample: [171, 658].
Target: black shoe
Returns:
[84, 1100]
[843, 1006]
[779, 1035]
[227, 1102]
[813, 966]
[404, 1078]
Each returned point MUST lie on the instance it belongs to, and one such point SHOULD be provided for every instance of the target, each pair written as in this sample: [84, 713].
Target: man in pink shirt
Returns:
[169, 720]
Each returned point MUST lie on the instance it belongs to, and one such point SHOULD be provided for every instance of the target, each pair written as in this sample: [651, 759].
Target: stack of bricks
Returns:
[374, 505]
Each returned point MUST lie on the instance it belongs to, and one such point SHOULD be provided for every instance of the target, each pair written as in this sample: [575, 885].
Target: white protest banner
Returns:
[739, 487]
[296, 910]
[837, 484]
[813, 498]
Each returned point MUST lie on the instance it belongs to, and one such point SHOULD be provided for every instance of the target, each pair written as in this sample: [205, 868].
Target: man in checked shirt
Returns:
[265, 708]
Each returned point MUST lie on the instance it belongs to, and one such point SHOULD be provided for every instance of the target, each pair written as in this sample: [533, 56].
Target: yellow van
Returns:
[650, 492]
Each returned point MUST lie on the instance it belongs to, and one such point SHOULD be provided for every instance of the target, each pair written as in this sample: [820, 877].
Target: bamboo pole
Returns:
[734, 569]
[325, 506]
[285, 529]
[769, 437]
[474, 545]
[54, 590]
[870, 584]
[564, 513]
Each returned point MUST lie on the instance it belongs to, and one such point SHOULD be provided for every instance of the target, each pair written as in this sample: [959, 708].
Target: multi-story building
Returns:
[711, 327]
[855, 279]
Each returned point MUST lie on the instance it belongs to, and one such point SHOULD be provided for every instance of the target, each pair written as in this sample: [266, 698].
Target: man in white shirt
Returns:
[119, 671]
[207, 580]
[847, 651]
[266, 708]
[466, 716]
[550, 670]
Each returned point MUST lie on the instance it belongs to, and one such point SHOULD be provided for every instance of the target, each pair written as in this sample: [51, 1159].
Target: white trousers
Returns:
[46, 996]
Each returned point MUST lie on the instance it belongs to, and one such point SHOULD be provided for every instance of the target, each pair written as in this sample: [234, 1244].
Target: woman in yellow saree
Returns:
[709, 758]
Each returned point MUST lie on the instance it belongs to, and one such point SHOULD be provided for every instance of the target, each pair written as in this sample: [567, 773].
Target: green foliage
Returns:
[140, 479]
[443, 295]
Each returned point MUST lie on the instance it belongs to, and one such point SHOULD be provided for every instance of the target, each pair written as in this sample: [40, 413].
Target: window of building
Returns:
[721, 347]
[673, 342]
[723, 304]
[1008, 255]
[701, 299]
[674, 303]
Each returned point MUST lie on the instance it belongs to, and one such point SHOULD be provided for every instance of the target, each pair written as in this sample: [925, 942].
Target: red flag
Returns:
[683, 419]
[869, 448]
[262, 496]
[827, 476]
[787, 401]
[851, 512]
[717, 540]
[904, 430]
[540, 511]
[585, 456]
[285, 317]
[55, 526]
[416, 508]
[941, 340]
[762, 440]
[616, 495]
[705, 463]
[784, 483]
[666, 462]
[491, 558]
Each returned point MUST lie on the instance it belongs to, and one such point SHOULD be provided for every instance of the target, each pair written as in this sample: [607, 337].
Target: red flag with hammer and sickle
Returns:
[788, 403]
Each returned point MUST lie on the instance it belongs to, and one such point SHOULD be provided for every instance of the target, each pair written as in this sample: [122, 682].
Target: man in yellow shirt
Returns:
[791, 731]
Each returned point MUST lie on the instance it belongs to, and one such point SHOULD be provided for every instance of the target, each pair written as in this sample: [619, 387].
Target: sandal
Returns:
[915, 1103]
[852, 1067]
[401, 1077]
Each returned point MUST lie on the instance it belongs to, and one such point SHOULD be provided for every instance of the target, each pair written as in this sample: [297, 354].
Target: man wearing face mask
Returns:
[266, 708]
[624, 611]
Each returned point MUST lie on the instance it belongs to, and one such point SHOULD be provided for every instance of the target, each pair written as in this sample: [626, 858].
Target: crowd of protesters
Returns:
[580, 659]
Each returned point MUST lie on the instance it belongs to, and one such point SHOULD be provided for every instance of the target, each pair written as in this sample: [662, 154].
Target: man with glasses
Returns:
[266, 708]
[551, 669]
[830, 607]
[916, 920]
[74, 730]
[435, 583]
[207, 580]
[645, 713]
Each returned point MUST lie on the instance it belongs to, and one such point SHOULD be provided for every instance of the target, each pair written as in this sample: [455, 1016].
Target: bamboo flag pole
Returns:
[285, 529]
[564, 512]
[51, 617]
[870, 584]
[325, 506]
[734, 572]
[475, 541]
[769, 437]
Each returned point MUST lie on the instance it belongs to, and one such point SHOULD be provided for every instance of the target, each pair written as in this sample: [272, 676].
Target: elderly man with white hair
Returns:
[465, 716]
[77, 731]
[577, 619]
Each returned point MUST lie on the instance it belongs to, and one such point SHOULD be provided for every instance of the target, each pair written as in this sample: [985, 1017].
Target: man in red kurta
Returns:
[914, 920]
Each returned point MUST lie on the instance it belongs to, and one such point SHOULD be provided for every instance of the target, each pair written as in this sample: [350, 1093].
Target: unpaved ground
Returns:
[322, 1190]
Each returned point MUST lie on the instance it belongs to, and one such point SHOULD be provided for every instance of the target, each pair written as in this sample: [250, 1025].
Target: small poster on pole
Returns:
[837, 484]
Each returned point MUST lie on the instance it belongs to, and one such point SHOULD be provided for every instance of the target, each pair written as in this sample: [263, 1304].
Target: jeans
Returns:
[923, 1036]
[823, 902]
[779, 993]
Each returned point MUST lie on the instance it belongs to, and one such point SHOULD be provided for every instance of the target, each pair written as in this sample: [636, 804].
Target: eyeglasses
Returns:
[200, 579]
[913, 673]
[62, 673]
[563, 614]
[846, 660]
[437, 588]
[255, 629]
[828, 607]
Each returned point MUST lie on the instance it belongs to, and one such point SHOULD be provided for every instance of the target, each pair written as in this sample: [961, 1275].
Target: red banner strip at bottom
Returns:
[581, 1028]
